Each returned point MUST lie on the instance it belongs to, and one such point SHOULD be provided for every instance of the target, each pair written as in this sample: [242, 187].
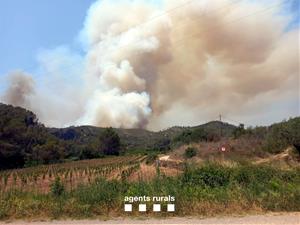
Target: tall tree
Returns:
[110, 142]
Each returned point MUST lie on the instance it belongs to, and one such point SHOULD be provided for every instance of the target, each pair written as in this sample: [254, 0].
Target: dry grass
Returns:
[284, 160]
[237, 151]
[149, 172]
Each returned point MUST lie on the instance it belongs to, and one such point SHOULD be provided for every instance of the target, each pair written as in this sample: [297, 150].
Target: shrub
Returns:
[151, 157]
[243, 175]
[162, 145]
[197, 135]
[101, 192]
[209, 175]
[57, 188]
[190, 152]
[239, 131]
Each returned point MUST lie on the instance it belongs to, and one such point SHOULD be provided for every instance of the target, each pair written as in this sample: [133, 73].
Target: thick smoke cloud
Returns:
[21, 87]
[144, 68]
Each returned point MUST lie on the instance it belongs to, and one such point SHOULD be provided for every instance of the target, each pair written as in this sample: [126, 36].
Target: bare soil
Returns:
[274, 218]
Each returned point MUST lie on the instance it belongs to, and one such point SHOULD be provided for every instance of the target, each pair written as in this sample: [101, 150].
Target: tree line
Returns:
[26, 142]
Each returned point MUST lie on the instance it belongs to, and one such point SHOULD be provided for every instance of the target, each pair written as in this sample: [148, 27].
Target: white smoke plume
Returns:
[146, 68]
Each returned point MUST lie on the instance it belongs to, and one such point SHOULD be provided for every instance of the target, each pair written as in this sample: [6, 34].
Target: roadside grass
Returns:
[207, 190]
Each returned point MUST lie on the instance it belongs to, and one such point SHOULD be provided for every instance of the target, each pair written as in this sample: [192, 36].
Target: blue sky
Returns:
[293, 8]
[26, 26]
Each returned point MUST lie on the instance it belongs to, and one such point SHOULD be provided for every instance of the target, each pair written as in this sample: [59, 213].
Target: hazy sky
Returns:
[33, 31]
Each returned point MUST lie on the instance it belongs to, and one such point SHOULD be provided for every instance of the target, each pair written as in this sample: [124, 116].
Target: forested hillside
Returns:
[26, 142]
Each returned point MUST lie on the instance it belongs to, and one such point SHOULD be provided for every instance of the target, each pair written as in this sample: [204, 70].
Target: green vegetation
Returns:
[59, 182]
[20, 136]
[110, 142]
[282, 135]
[209, 132]
[197, 135]
[57, 188]
[151, 158]
[70, 174]
[207, 190]
[274, 138]
[190, 152]
[25, 142]
[239, 131]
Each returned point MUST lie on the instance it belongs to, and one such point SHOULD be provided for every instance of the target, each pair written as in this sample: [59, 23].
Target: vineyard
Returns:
[96, 189]
[38, 179]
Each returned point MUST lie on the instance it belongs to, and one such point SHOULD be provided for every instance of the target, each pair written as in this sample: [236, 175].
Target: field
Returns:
[70, 173]
[38, 179]
[96, 188]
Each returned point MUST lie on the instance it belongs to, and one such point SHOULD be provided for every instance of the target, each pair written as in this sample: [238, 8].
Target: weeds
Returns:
[207, 190]
[57, 188]
[190, 152]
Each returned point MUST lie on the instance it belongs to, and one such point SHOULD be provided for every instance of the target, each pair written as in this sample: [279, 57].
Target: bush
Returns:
[162, 145]
[190, 152]
[101, 192]
[151, 157]
[57, 188]
[239, 131]
[197, 135]
[211, 175]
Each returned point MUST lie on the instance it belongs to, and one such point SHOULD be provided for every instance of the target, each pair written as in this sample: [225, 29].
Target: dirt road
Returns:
[279, 218]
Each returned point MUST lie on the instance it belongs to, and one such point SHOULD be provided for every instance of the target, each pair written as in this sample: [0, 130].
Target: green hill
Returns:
[26, 142]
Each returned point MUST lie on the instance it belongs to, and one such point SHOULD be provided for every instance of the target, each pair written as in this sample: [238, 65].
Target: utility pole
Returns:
[221, 145]
[220, 117]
